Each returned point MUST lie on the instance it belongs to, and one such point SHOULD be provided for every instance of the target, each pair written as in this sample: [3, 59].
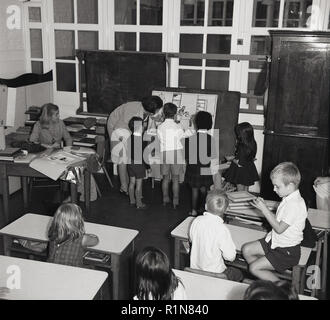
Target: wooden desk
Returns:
[9, 168]
[200, 287]
[117, 242]
[240, 236]
[50, 281]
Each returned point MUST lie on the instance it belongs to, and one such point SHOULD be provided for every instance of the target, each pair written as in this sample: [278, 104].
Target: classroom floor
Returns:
[154, 223]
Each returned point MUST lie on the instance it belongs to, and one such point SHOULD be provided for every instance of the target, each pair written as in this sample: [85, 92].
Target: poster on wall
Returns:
[189, 104]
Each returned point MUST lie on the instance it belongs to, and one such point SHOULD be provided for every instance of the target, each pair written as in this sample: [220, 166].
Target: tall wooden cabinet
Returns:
[297, 115]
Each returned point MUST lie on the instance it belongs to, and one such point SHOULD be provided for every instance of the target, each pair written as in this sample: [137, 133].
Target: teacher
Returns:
[148, 109]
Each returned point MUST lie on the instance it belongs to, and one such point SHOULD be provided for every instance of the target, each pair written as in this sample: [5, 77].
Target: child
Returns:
[211, 239]
[67, 236]
[242, 171]
[267, 290]
[199, 150]
[280, 250]
[169, 134]
[49, 131]
[155, 278]
[136, 167]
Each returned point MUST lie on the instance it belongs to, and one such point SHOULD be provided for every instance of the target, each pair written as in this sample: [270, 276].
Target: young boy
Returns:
[136, 168]
[280, 249]
[171, 148]
[211, 239]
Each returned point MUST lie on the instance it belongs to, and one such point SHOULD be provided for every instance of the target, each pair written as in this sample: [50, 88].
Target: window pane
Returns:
[190, 79]
[34, 14]
[216, 80]
[296, 13]
[191, 43]
[192, 12]
[66, 77]
[151, 42]
[151, 12]
[87, 11]
[218, 44]
[63, 11]
[260, 45]
[329, 22]
[36, 43]
[37, 67]
[256, 83]
[125, 41]
[125, 12]
[64, 44]
[88, 40]
[221, 13]
[266, 13]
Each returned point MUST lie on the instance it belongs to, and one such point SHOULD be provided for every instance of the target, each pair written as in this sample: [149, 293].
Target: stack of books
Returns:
[239, 200]
[96, 256]
[9, 154]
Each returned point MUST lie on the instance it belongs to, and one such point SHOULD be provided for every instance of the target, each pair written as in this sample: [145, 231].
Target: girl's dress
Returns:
[198, 173]
[245, 174]
[69, 252]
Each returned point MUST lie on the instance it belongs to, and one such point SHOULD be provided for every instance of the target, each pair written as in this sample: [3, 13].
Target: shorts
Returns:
[172, 162]
[136, 170]
[234, 274]
[281, 258]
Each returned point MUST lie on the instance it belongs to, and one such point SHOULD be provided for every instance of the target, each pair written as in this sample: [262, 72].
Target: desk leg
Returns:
[6, 245]
[87, 190]
[5, 192]
[324, 264]
[115, 262]
[24, 181]
[177, 244]
[73, 191]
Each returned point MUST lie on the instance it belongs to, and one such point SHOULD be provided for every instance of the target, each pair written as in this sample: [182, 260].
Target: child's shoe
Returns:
[141, 206]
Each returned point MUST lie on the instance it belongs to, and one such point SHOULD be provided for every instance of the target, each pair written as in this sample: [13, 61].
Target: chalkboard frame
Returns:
[83, 87]
[226, 99]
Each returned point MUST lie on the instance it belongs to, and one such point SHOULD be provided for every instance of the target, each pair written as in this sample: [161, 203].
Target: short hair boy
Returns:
[280, 250]
[211, 240]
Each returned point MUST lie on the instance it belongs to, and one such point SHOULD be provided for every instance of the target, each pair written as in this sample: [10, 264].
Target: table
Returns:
[50, 281]
[240, 236]
[10, 168]
[200, 287]
[117, 242]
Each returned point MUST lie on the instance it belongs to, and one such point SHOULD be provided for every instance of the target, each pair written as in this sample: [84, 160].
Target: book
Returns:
[96, 256]
[240, 196]
[9, 152]
[25, 158]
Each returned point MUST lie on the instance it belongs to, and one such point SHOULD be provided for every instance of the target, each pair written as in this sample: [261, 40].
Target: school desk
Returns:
[117, 242]
[201, 287]
[23, 170]
[48, 281]
[240, 236]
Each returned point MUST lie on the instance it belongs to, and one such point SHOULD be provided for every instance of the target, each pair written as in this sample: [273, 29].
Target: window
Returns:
[296, 13]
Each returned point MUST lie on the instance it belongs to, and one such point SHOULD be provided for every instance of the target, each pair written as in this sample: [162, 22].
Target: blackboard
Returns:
[111, 78]
[226, 116]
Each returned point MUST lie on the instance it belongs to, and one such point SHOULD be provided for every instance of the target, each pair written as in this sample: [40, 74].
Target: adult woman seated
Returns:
[148, 109]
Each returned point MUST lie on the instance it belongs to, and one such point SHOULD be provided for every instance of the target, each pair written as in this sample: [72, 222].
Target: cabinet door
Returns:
[299, 86]
[309, 154]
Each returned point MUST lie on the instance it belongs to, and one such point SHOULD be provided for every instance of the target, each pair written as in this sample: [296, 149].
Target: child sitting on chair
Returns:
[211, 239]
[280, 250]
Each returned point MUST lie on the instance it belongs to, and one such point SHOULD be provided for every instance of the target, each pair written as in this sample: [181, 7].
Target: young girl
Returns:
[155, 278]
[200, 149]
[49, 131]
[242, 171]
[67, 236]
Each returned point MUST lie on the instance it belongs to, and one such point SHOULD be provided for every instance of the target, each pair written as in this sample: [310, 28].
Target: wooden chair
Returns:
[206, 273]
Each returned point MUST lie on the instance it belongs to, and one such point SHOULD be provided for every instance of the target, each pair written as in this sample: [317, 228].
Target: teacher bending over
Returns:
[118, 130]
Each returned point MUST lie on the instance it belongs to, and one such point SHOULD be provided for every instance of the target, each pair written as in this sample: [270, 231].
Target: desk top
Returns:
[50, 281]
[200, 287]
[240, 236]
[34, 227]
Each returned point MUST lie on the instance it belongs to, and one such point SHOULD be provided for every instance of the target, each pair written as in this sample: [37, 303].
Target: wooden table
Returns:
[10, 168]
[50, 281]
[200, 287]
[117, 242]
[240, 236]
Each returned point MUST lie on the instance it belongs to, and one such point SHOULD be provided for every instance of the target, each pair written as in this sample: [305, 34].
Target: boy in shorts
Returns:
[280, 250]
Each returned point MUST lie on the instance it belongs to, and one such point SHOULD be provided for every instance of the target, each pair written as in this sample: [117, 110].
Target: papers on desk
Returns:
[55, 164]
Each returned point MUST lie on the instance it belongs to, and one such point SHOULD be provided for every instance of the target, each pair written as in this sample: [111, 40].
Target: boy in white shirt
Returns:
[280, 250]
[211, 240]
